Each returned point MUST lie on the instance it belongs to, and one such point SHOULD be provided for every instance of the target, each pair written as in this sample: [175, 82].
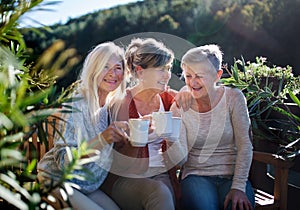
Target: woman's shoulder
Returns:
[235, 98]
[78, 106]
[233, 93]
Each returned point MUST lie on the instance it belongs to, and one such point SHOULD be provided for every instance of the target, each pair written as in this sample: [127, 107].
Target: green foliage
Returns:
[240, 27]
[258, 76]
[267, 90]
[28, 96]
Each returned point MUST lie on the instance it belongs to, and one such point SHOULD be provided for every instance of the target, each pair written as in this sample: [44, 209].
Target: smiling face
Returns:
[155, 78]
[111, 76]
[201, 79]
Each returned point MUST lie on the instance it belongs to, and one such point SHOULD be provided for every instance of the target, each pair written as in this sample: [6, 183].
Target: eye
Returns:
[118, 68]
[165, 69]
[198, 76]
[188, 76]
[106, 67]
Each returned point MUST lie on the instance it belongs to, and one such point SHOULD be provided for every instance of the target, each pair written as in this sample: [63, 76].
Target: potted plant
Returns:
[268, 91]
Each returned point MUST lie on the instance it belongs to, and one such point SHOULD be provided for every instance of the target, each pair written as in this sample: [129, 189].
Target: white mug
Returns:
[176, 126]
[138, 132]
[162, 123]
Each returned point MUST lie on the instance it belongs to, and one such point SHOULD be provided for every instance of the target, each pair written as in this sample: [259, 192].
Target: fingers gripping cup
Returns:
[138, 132]
[162, 123]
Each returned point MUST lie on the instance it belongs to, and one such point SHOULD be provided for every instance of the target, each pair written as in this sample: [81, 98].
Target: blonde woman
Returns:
[102, 81]
[216, 129]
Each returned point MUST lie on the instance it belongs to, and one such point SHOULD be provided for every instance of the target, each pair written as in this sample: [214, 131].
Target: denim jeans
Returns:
[208, 192]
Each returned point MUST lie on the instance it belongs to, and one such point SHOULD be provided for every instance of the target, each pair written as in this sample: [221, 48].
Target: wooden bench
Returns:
[277, 200]
[36, 148]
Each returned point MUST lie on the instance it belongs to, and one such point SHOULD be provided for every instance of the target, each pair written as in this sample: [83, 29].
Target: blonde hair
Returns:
[208, 53]
[93, 66]
[147, 53]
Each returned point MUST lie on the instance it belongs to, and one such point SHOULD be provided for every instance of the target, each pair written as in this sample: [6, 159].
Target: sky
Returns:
[67, 9]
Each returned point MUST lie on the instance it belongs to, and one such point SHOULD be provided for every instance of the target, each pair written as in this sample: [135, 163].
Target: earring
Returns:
[138, 68]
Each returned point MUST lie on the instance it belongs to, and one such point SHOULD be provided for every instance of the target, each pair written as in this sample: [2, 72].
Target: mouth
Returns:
[162, 83]
[111, 81]
[196, 88]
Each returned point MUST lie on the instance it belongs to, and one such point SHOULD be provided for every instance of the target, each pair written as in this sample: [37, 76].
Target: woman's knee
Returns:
[162, 190]
[192, 184]
[198, 193]
[103, 200]
[160, 197]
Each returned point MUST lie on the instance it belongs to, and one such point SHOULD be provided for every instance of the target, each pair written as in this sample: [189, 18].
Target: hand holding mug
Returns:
[115, 132]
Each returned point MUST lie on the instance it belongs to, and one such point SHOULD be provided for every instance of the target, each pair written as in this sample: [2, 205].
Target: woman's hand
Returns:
[184, 100]
[116, 132]
[238, 200]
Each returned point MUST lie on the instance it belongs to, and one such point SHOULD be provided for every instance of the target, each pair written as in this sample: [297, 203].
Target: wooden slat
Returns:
[34, 147]
[279, 197]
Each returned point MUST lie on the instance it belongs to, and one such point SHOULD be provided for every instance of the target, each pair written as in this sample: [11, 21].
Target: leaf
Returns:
[243, 65]
[5, 122]
[11, 153]
[228, 80]
[252, 88]
[18, 117]
[265, 94]
[267, 107]
[254, 103]
[14, 183]
[294, 97]
[35, 98]
[36, 116]
[12, 138]
[12, 198]
[235, 73]
[284, 112]
[69, 154]
[292, 143]
[32, 165]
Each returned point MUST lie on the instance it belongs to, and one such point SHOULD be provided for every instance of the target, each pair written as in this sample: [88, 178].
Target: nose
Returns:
[167, 74]
[193, 81]
[112, 71]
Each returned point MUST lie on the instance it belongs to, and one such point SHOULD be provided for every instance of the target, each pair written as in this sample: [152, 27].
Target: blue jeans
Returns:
[208, 192]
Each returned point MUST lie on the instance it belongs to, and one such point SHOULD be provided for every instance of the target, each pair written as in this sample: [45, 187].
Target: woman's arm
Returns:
[241, 125]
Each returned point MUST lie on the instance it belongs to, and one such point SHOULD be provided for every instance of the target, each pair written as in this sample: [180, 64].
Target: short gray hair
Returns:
[210, 53]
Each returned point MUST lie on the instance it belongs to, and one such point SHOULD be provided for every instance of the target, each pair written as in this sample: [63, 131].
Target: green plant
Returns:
[292, 149]
[266, 90]
[27, 97]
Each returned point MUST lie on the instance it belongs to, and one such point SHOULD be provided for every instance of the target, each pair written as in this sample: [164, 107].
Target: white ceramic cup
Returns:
[138, 132]
[162, 123]
[176, 126]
